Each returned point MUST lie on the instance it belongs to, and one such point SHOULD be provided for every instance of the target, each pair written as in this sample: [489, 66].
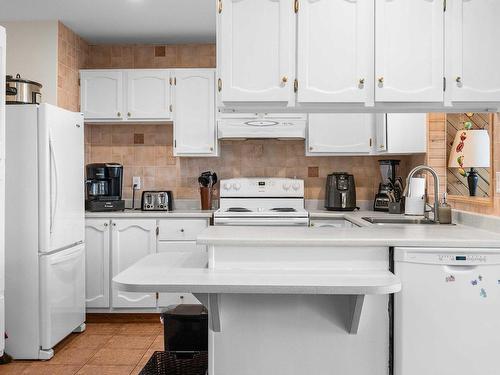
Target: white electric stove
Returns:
[262, 202]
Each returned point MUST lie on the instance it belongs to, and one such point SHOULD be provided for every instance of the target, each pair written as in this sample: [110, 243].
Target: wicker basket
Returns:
[171, 363]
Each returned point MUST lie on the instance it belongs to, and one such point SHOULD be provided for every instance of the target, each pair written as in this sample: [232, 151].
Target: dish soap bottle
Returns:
[444, 211]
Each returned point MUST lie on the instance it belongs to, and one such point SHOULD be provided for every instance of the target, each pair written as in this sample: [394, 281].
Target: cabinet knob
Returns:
[105, 224]
[459, 81]
[381, 81]
[114, 224]
[182, 230]
[361, 81]
[129, 114]
[119, 114]
[211, 148]
[310, 148]
[284, 79]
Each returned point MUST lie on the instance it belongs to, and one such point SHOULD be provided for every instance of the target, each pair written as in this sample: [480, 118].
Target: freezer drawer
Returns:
[62, 294]
[446, 315]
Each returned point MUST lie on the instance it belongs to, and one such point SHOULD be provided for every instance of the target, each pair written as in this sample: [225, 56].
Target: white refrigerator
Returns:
[2, 189]
[45, 258]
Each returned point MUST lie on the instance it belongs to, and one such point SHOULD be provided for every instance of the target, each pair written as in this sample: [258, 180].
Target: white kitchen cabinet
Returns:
[335, 53]
[473, 56]
[406, 133]
[178, 238]
[148, 94]
[256, 51]
[131, 240]
[194, 112]
[101, 94]
[340, 133]
[97, 243]
[409, 55]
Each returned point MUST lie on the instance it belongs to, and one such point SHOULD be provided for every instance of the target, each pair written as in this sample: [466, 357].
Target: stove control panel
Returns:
[262, 187]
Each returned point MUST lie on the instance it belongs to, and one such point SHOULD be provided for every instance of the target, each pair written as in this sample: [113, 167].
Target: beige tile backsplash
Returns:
[154, 162]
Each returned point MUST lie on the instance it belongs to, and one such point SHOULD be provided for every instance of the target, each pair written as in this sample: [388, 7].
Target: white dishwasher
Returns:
[447, 315]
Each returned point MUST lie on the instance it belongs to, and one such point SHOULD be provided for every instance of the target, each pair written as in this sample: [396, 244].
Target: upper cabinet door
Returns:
[101, 94]
[148, 94]
[340, 133]
[409, 54]
[256, 53]
[335, 54]
[194, 113]
[473, 30]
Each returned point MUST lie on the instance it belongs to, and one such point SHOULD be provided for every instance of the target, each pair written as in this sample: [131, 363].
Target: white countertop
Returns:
[366, 235]
[129, 213]
[155, 273]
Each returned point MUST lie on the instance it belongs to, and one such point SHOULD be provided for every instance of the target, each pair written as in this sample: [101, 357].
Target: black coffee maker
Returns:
[104, 187]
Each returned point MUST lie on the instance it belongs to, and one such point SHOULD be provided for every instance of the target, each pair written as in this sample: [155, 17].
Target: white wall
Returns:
[32, 52]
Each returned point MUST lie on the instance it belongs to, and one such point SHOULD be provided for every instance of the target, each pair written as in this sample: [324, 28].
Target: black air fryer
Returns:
[340, 192]
[104, 187]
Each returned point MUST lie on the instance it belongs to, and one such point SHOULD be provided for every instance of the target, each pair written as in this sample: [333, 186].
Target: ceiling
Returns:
[122, 21]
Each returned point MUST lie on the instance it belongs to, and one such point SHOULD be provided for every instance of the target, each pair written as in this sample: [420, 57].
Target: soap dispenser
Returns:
[444, 211]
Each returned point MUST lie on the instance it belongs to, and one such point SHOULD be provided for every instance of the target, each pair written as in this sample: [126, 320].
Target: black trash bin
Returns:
[185, 328]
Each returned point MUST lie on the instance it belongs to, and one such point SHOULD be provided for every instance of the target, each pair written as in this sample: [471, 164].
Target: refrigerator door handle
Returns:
[53, 190]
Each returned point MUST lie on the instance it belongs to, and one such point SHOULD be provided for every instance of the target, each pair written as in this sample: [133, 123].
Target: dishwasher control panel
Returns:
[451, 256]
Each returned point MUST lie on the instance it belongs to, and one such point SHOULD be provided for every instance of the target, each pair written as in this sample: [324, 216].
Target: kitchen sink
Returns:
[398, 220]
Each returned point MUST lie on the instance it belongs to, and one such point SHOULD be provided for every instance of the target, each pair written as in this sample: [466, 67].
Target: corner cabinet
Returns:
[194, 112]
[131, 240]
[101, 94]
[335, 51]
[97, 243]
[472, 33]
[256, 50]
[409, 57]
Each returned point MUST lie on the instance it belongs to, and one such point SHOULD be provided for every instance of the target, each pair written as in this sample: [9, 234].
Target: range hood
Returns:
[258, 126]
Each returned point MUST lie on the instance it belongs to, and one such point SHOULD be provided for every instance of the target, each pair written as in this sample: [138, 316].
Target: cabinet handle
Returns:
[284, 79]
[219, 84]
[119, 114]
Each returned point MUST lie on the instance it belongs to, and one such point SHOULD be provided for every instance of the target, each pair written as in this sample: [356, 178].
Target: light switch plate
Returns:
[136, 180]
[498, 182]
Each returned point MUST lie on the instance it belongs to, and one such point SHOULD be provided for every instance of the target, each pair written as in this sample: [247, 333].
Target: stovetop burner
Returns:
[238, 209]
[283, 209]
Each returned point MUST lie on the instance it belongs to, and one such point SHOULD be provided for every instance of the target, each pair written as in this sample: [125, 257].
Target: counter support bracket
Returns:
[355, 308]
[211, 302]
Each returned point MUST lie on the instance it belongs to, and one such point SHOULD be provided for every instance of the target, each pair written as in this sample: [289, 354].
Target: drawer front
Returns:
[180, 229]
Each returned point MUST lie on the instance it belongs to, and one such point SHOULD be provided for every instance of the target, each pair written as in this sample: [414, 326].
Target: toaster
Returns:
[156, 201]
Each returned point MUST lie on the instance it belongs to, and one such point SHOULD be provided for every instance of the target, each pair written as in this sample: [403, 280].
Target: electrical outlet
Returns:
[498, 182]
[136, 180]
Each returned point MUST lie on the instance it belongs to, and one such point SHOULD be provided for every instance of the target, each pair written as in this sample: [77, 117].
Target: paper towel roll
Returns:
[417, 187]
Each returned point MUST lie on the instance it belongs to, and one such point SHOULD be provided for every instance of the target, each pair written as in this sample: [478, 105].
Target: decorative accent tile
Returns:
[138, 139]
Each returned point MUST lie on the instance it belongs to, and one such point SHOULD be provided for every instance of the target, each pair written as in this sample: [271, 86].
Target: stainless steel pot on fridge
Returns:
[22, 91]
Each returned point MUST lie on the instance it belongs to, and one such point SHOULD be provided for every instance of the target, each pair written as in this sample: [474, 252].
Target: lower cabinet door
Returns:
[183, 254]
[131, 240]
[97, 243]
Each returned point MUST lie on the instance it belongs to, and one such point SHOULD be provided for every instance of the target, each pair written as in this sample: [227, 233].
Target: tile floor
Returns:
[109, 346]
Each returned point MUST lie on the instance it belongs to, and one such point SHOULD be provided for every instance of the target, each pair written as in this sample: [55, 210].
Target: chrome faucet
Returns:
[421, 168]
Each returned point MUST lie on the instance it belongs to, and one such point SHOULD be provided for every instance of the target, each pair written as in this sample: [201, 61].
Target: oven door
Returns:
[262, 221]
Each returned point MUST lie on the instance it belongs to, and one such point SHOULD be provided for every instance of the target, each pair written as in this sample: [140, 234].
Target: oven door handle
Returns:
[262, 221]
